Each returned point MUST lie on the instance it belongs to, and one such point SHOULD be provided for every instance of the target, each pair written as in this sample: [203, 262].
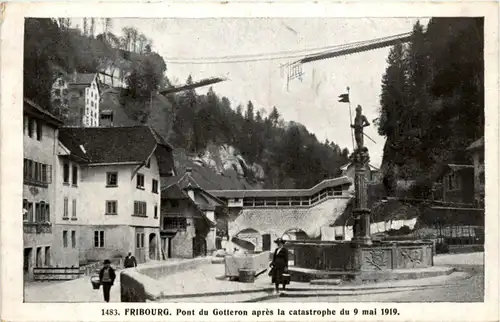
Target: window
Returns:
[73, 239]
[481, 178]
[177, 223]
[140, 181]
[156, 211]
[139, 240]
[38, 213]
[111, 207]
[140, 208]
[25, 209]
[46, 212]
[65, 238]
[65, 209]
[73, 206]
[39, 130]
[155, 186]
[99, 238]
[36, 173]
[112, 179]
[75, 175]
[57, 92]
[31, 127]
[66, 173]
[61, 82]
[30, 212]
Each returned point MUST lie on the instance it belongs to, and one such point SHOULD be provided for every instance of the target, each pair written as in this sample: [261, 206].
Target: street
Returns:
[206, 286]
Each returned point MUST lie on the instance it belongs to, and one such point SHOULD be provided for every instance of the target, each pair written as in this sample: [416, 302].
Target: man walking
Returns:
[107, 278]
[129, 261]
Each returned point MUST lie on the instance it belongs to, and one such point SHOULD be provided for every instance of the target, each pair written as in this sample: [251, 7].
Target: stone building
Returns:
[260, 216]
[40, 134]
[188, 218]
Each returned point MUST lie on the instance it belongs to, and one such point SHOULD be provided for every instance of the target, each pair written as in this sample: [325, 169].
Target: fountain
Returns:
[360, 259]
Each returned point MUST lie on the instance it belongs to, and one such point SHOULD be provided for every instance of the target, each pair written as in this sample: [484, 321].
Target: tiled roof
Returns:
[111, 144]
[183, 183]
[174, 192]
[80, 79]
[281, 192]
[31, 107]
[478, 144]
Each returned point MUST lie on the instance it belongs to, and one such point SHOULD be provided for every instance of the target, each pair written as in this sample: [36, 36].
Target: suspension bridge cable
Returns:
[280, 55]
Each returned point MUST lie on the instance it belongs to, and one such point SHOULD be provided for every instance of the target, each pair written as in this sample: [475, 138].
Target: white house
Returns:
[84, 98]
[118, 198]
[39, 147]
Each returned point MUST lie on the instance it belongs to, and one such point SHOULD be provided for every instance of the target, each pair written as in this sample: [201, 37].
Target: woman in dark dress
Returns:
[279, 265]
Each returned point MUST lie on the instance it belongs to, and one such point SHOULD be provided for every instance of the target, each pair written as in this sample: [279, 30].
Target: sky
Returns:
[312, 101]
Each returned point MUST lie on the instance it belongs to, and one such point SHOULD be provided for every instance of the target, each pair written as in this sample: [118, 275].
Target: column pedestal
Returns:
[361, 213]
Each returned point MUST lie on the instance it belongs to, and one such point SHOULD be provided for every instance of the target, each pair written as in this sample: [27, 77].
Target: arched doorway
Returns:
[248, 239]
[295, 234]
[153, 246]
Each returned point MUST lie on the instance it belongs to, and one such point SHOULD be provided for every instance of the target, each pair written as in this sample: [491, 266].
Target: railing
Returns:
[37, 227]
[303, 202]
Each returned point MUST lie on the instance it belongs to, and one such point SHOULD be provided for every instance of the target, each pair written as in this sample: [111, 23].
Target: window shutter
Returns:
[102, 238]
[49, 174]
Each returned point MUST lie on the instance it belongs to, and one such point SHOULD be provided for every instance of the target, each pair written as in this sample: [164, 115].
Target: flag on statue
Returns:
[344, 98]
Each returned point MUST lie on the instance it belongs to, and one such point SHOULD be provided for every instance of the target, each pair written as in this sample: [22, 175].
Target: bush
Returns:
[442, 248]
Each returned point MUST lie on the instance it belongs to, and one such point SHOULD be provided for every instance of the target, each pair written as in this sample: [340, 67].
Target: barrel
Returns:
[246, 275]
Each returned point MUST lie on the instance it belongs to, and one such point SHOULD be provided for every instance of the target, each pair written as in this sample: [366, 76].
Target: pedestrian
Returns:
[279, 265]
[107, 278]
[129, 261]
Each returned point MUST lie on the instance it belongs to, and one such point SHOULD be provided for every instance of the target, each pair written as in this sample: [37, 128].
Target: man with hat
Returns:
[107, 278]
[279, 265]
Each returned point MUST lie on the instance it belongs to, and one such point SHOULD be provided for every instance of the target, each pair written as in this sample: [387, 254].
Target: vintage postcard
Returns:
[250, 162]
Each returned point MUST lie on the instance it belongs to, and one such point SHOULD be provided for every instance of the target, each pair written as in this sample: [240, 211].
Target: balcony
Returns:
[37, 227]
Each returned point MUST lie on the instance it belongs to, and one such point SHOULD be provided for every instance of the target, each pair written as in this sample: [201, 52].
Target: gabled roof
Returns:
[105, 145]
[184, 183]
[478, 144]
[174, 192]
[30, 107]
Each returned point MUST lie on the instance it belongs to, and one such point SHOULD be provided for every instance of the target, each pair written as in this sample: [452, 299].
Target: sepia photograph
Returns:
[244, 160]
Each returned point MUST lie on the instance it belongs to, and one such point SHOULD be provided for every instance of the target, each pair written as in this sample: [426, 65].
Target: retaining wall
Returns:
[141, 284]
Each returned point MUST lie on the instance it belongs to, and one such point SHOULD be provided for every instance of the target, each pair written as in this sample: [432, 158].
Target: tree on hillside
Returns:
[441, 108]
[274, 116]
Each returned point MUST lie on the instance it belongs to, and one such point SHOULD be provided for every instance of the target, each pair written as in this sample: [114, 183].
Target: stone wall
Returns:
[141, 284]
[344, 256]
[277, 220]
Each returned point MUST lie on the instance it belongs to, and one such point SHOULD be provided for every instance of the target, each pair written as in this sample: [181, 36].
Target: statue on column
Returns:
[360, 122]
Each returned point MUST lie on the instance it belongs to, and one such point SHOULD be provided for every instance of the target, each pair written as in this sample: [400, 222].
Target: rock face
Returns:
[224, 158]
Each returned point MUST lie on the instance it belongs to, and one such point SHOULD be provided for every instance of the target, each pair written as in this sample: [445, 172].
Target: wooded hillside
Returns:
[432, 100]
